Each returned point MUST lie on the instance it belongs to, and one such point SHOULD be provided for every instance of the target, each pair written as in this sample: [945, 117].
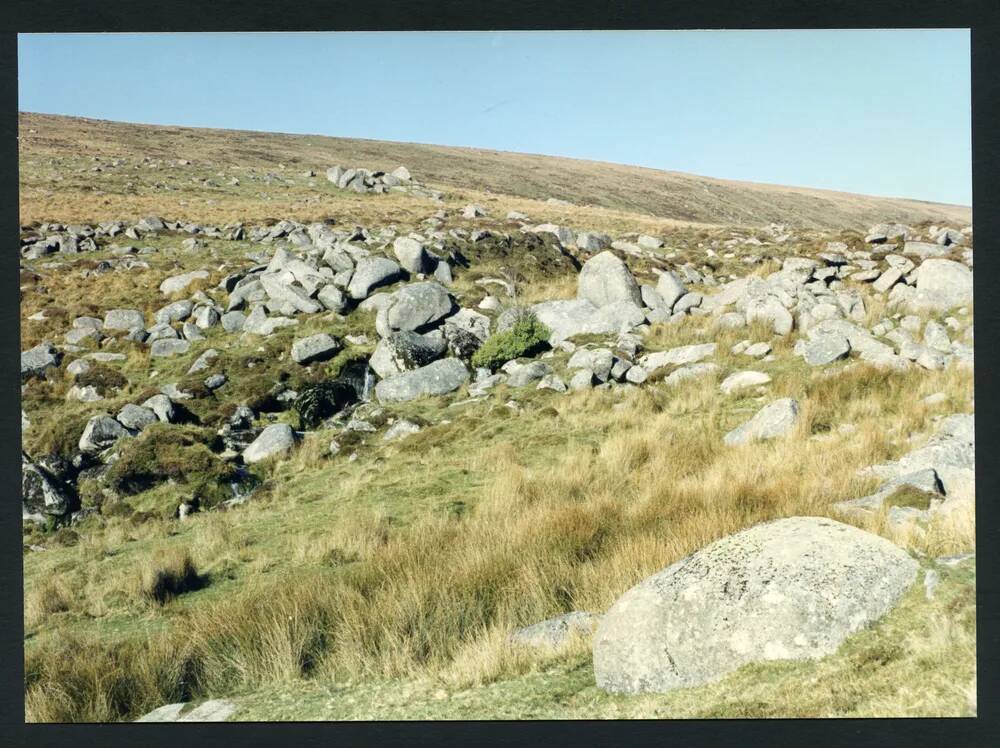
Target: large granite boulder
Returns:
[786, 590]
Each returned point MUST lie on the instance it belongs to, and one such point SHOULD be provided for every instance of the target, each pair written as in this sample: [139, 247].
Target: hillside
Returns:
[663, 194]
[311, 445]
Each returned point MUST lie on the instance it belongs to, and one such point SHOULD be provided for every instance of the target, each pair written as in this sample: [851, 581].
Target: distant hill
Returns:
[636, 189]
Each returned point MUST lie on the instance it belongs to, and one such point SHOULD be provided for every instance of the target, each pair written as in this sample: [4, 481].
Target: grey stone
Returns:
[276, 439]
[741, 380]
[169, 347]
[404, 351]
[521, 375]
[686, 372]
[319, 347]
[773, 420]
[35, 362]
[101, 432]
[162, 407]
[412, 255]
[604, 279]
[179, 283]
[416, 306]
[599, 361]
[685, 354]
[136, 417]
[437, 378]
[790, 589]
[371, 273]
[825, 350]
[124, 319]
[233, 321]
[670, 288]
[554, 633]
[332, 298]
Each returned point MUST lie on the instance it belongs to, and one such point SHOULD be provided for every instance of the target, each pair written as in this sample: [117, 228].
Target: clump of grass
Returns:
[163, 578]
[50, 597]
[910, 496]
[526, 337]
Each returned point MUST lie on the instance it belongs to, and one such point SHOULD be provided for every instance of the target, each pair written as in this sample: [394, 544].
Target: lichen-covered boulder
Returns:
[784, 590]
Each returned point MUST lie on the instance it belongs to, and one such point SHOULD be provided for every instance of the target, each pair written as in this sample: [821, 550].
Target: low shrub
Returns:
[527, 337]
[169, 452]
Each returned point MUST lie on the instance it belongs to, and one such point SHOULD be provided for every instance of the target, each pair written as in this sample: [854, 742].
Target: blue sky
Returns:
[875, 112]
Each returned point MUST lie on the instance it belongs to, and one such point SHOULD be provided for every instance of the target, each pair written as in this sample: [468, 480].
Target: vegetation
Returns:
[526, 337]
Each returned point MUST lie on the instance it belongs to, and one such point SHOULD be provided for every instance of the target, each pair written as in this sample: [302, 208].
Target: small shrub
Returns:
[103, 378]
[527, 337]
[170, 452]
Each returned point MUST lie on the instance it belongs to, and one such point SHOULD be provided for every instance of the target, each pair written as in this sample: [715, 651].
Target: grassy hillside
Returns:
[649, 192]
[381, 580]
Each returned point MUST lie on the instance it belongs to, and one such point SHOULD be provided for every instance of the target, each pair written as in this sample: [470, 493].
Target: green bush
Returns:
[527, 337]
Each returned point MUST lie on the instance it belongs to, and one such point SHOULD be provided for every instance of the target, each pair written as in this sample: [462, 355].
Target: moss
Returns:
[527, 337]
[910, 496]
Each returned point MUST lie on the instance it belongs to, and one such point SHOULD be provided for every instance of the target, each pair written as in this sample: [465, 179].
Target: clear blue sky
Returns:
[875, 112]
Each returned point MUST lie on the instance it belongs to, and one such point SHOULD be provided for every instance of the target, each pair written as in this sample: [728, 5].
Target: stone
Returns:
[582, 380]
[599, 361]
[887, 279]
[42, 493]
[741, 380]
[416, 306]
[791, 589]
[773, 420]
[412, 255]
[233, 321]
[521, 375]
[670, 288]
[167, 347]
[215, 381]
[590, 241]
[437, 378]
[124, 320]
[648, 242]
[770, 310]
[35, 362]
[162, 407]
[687, 372]
[258, 323]
[552, 382]
[136, 417]
[276, 439]
[685, 354]
[399, 430]
[101, 432]
[404, 351]
[825, 350]
[371, 273]
[179, 283]
[177, 311]
[319, 347]
[332, 298]
[570, 317]
[942, 284]
[604, 279]
[554, 633]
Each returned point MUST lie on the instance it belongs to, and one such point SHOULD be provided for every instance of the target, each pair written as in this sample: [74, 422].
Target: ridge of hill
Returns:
[663, 194]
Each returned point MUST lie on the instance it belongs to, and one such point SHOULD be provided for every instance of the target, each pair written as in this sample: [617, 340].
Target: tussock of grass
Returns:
[168, 576]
